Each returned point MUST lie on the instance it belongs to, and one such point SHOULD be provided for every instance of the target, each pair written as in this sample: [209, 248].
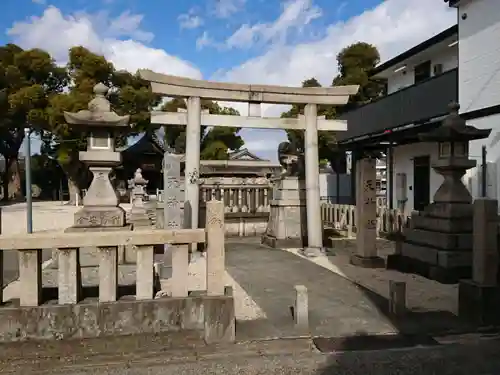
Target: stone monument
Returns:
[138, 214]
[171, 215]
[438, 244]
[100, 204]
[287, 225]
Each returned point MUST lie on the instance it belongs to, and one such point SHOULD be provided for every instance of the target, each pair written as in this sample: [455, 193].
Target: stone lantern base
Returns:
[438, 244]
[90, 217]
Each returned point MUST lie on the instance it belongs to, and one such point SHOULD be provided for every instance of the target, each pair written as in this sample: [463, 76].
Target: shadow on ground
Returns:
[346, 310]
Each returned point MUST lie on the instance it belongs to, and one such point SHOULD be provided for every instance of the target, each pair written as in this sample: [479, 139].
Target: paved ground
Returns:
[155, 355]
[343, 300]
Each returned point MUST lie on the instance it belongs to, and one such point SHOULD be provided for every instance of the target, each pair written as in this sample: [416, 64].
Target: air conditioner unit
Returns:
[438, 69]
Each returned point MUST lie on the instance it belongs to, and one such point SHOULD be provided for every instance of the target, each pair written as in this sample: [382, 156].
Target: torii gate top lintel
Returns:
[236, 92]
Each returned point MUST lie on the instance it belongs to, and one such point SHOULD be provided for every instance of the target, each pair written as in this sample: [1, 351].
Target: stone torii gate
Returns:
[195, 90]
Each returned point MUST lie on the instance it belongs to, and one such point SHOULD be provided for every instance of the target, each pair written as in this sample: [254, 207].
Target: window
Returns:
[422, 71]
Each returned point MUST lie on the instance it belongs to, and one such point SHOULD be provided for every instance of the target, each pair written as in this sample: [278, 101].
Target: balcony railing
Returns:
[414, 104]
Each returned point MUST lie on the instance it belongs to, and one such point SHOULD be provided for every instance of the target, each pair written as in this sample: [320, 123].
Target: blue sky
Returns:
[252, 41]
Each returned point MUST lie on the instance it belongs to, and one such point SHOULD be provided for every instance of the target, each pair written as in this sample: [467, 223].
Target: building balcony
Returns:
[414, 105]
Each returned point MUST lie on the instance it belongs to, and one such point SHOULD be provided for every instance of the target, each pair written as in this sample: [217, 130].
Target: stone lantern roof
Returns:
[454, 129]
[99, 113]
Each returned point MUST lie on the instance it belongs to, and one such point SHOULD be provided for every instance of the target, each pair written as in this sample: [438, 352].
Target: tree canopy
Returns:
[128, 94]
[355, 63]
[215, 142]
[28, 81]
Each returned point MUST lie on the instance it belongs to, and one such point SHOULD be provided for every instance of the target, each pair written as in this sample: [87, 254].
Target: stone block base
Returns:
[212, 317]
[440, 274]
[478, 304]
[287, 243]
[367, 262]
[96, 217]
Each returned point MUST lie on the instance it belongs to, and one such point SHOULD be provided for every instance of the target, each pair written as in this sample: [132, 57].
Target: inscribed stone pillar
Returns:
[192, 168]
[172, 206]
[366, 211]
[313, 208]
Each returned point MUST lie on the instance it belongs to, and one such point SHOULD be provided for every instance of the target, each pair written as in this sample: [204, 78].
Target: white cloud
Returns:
[42, 2]
[226, 8]
[204, 40]
[116, 38]
[296, 15]
[190, 20]
[393, 26]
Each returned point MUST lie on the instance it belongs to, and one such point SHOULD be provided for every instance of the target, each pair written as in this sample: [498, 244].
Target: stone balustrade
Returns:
[70, 285]
[342, 218]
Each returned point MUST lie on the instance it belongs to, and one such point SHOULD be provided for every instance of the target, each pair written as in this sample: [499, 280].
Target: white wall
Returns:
[403, 163]
[448, 56]
[479, 83]
[328, 187]
[479, 54]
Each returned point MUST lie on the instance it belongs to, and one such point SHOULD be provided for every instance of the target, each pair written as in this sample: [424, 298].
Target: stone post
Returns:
[366, 210]
[479, 298]
[192, 167]
[313, 205]
[216, 268]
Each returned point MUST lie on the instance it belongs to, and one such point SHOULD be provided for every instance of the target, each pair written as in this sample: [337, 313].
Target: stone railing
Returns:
[342, 218]
[73, 315]
[246, 207]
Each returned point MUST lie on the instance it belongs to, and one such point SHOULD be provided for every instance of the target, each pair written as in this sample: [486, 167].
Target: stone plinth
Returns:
[287, 226]
[438, 245]
[479, 298]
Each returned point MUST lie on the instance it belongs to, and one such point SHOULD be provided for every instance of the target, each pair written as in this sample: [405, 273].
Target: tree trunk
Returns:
[12, 180]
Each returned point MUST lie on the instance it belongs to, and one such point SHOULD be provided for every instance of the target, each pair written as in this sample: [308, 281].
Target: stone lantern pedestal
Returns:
[438, 244]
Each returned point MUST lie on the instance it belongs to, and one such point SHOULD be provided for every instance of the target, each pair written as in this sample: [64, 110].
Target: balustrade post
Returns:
[30, 275]
[144, 272]
[108, 274]
[180, 264]
[216, 268]
[69, 276]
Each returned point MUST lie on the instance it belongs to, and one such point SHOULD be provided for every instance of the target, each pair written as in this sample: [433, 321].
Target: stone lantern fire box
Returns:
[101, 203]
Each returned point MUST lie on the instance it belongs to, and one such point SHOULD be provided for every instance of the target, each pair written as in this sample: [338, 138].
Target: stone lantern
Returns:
[100, 204]
[438, 243]
[453, 155]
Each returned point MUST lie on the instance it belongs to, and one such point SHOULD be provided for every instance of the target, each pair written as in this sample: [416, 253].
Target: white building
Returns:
[461, 64]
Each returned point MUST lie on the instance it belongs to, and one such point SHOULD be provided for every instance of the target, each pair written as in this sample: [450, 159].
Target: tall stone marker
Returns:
[173, 201]
[366, 236]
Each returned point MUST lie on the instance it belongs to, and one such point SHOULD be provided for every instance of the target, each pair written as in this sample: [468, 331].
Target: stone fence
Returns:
[246, 207]
[74, 315]
[342, 219]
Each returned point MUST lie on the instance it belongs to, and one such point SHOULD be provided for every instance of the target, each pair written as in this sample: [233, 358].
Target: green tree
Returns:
[355, 64]
[128, 94]
[215, 142]
[28, 80]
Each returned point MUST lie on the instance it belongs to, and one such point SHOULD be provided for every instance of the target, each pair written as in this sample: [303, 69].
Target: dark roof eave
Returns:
[415, 50]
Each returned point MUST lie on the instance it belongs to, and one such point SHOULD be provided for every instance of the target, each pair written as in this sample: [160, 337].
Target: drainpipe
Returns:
[390, 172]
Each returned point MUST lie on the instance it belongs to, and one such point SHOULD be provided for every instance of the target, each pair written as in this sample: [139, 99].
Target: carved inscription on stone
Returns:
[174, 196]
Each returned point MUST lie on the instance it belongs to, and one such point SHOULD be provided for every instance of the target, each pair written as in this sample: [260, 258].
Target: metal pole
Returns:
[483, 172]
[27, 176]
